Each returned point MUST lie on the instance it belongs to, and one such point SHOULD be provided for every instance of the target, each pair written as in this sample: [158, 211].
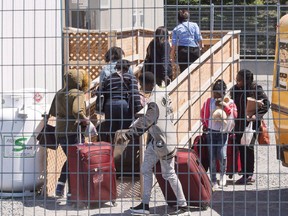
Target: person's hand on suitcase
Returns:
[121, 141]
[122, 136]
[85, 121]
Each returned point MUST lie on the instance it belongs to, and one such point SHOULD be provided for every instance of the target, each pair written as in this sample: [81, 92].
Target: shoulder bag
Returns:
[47, 136]
[263, 136]
[100, 101]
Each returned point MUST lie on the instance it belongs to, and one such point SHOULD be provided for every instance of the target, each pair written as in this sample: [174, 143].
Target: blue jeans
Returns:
[117, 116]
[217, 146]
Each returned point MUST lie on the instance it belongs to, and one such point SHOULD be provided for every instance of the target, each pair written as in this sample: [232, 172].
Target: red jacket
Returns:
[205, 111]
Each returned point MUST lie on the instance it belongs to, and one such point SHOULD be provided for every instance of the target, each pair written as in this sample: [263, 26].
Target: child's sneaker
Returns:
[180, 210]
[214, 186]
[250, 180]
[68, 200]
[60, 189]
[223, 180]
[141, 209]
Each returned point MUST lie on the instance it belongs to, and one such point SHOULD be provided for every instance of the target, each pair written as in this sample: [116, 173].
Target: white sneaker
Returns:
[214, 186]
[223, 180]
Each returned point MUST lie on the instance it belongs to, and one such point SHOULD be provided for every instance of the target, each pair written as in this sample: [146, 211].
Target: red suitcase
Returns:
[233, 155]
[193, 177]
[92, 173]
[201, 149]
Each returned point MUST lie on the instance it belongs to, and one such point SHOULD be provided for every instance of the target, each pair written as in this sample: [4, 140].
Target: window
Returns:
[282, 70]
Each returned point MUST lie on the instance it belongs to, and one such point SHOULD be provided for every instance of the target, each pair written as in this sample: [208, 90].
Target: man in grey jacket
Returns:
[158, 121]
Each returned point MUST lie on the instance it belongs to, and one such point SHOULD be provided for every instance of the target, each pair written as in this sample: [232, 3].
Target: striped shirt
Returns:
[115, 88]
[108, 69]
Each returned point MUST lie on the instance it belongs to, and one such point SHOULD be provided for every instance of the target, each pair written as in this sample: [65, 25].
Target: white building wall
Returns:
[127, 14]
[30, 49]
[117, 15]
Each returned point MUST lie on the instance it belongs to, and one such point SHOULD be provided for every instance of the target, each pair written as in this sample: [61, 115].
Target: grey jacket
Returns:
[158, 120]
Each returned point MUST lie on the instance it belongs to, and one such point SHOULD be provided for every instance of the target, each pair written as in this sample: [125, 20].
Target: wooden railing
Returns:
[192, 87]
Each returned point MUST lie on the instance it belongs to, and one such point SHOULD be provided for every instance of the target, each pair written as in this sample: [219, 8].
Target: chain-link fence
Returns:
[256, 22]
[57, 61]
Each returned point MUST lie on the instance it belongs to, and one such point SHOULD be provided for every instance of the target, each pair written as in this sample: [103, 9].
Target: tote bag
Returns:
[248, 135]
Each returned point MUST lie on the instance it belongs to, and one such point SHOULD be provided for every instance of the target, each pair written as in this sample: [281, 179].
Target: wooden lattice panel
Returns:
[55, 161]
[87, 46]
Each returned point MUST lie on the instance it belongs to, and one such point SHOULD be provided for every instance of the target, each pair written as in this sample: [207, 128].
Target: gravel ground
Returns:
[268, 196]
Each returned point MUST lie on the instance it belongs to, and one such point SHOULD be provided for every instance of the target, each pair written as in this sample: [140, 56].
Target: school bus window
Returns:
[282, 66]
[283, 54]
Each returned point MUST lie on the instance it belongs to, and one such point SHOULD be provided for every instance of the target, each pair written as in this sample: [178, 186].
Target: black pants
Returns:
[246, 155]
[186, 56]
[64, 142]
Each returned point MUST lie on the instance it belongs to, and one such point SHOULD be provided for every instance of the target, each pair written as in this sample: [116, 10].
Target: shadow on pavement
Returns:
[52, 203]
[158, 210]
[262, 202]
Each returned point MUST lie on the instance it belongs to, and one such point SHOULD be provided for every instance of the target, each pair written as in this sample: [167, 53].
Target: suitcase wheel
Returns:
[114, 203]
[204, 206]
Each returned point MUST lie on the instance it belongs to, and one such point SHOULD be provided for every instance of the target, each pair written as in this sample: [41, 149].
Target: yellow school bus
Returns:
[279, 104]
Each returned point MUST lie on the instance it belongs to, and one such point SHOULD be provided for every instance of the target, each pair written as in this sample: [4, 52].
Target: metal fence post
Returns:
[212, 20]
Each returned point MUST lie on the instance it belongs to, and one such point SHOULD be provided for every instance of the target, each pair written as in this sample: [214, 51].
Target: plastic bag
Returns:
[90, 130]
[248, 135]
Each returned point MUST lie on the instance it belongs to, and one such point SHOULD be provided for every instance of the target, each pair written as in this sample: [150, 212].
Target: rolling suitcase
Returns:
[193, 177]
[128, 164]
[201, 149]
[92, 173]
[233, 155]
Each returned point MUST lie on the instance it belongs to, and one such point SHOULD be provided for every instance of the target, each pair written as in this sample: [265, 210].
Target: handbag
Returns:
[46, 137]
[120, 141]
[263, 136]
[248, 134]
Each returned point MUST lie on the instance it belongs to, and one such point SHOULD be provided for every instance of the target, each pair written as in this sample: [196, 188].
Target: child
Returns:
[215, 115]
[157, 120]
